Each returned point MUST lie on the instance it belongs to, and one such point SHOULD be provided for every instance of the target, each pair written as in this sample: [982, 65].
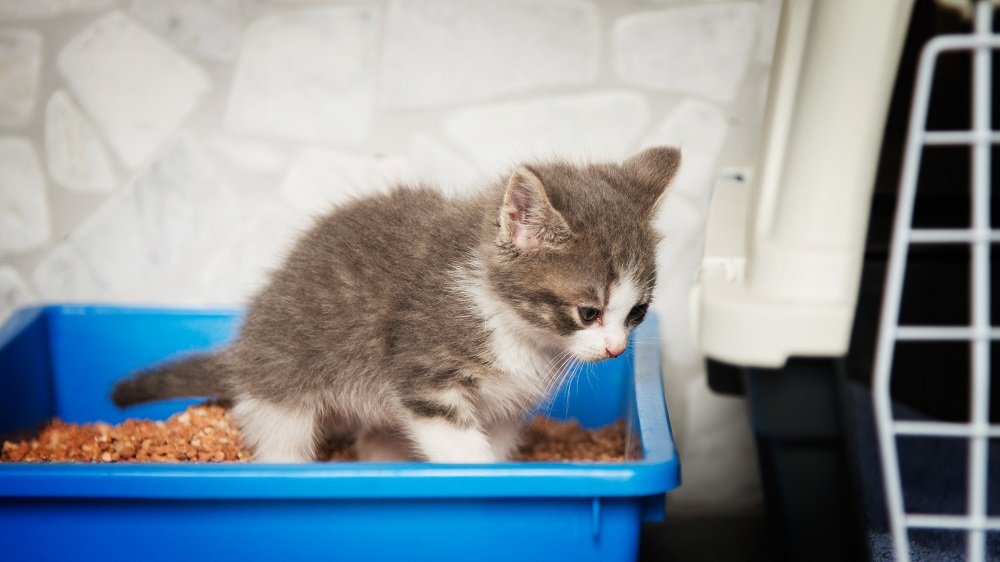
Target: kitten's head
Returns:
[574, 249]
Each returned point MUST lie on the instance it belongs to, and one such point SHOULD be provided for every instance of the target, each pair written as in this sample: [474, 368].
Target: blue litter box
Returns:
[62, 360]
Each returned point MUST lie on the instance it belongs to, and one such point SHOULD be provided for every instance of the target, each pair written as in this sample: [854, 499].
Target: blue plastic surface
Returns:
[62, 360]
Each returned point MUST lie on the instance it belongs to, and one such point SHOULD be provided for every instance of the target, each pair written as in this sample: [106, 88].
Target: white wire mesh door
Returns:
[980, 138]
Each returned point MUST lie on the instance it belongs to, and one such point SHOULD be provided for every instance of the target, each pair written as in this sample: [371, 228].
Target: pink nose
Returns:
[614, 352]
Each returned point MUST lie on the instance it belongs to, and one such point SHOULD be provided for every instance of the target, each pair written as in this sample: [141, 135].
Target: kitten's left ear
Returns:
[528, 220]
[652, 170]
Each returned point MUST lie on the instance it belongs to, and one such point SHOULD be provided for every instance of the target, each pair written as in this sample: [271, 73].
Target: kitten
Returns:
[429, 327]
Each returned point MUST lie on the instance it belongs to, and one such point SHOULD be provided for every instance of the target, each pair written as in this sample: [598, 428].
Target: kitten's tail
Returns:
[197, 375]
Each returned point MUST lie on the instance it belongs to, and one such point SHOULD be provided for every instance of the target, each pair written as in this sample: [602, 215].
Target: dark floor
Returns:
[710, 539]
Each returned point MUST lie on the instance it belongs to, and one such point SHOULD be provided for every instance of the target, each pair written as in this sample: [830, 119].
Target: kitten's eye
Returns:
[588, 313]
[638, 312]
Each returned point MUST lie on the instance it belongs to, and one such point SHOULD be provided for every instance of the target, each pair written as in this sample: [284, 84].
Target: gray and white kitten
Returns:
[429, 327]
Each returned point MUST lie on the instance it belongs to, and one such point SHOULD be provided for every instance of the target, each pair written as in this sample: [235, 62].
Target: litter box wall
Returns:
[167, 152]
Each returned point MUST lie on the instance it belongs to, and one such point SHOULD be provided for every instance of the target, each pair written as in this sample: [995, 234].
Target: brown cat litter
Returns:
[207, 433]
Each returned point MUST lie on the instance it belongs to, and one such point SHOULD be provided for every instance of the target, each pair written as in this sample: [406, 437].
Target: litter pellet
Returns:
[207, 433]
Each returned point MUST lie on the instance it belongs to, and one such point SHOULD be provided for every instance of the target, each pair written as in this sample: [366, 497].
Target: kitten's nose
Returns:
[614, 352]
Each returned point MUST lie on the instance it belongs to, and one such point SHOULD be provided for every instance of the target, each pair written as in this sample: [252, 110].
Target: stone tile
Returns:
[767, 30]
[599, 125]
[180, 200]
[20, 63]
[14, 292]
[207, 28]
[74, 153]
[24, 208]
[700, 50]
[307, 74]
[443, 168]
[147, 240]
[444, 51]
[64, 276]
[136, 87]
[34, 9]
[249, 154]
[321, 179]
[746, 119]
[111, 246]
[243, 266]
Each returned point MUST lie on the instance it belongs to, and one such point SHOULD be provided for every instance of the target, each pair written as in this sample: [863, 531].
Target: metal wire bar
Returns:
[945, 333]
[980, 297]
[980, 333]
[952, 236]
[920, 521]
[944, 429]
[945, 138]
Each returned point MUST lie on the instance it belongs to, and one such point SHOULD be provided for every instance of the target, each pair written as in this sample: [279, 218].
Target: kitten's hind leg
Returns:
[382, 446]
[275, 433]
[440, 440]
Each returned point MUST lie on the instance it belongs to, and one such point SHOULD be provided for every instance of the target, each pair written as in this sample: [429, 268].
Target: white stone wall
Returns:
[167, 151]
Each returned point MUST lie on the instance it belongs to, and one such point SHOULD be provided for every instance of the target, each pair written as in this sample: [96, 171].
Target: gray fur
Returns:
[196, 375]
[365, 323]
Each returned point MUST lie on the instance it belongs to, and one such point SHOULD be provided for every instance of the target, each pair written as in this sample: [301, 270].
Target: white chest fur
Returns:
[525, 363]
[525, 370]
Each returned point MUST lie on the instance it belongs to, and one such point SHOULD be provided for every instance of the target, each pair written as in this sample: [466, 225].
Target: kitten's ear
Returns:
[527, 219]
[652, 170]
